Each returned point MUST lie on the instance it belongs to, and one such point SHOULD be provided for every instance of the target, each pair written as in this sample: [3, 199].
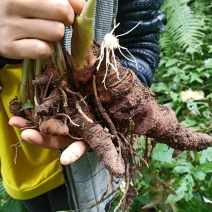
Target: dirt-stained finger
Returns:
[74, 152]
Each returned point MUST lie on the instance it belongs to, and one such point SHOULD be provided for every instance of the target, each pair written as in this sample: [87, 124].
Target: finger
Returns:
[30, 48]
[17, 121]
[45, 140]
[37, 138]
[77, 5]
[59, 10]
[74, 152]
[39, 29]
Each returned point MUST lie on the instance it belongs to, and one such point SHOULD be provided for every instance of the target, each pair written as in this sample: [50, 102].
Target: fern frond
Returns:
[165, 43]
[185, 27]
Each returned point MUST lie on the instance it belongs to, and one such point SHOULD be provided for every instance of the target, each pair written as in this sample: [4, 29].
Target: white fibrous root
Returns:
[109, 44]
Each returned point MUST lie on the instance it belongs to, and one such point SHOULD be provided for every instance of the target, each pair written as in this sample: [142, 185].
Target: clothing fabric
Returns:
[54, 200]
[29, 171]
[4, 61]
[147, 21]
[90, 181]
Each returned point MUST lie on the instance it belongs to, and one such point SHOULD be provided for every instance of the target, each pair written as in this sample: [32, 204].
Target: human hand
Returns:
[74, 150]
[28, 28]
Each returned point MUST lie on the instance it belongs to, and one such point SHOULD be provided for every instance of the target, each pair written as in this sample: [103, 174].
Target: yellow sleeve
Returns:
[27, 170]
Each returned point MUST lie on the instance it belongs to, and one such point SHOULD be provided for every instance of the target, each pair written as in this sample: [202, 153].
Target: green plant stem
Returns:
[38, 67]
[59, 58]
[82, 38]
[24, 88]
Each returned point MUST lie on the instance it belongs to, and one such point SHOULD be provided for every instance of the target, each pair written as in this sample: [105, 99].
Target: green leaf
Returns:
[205, 167]
[175, 96]
[194, 205]
[184, 190]
[28, 104]
[160, 87]
[196, 77]
[206, 155]
[180, 194]
[182, 169]
[198, 174]
[2, 191]
[13, 205]
[144, 198]
[162, 153]
[193, 106]
[171, 62]
[8, 204]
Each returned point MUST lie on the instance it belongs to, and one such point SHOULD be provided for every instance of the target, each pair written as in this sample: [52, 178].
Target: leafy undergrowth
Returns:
[175, 181]
[8, 204]
[181, 181]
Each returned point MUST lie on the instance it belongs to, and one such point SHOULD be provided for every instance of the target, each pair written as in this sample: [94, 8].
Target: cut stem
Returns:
[24, 88]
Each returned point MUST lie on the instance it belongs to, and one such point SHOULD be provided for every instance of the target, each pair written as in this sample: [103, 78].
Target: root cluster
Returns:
[109, 116]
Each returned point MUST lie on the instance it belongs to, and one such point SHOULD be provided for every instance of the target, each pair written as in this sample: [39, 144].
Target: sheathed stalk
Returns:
[26, 88]
[82, 42]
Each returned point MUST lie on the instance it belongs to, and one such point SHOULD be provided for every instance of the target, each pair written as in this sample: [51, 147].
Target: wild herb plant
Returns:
[177, 181]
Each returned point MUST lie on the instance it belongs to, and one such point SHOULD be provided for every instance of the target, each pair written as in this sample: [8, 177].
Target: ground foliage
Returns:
[182, 181]
[7, 204]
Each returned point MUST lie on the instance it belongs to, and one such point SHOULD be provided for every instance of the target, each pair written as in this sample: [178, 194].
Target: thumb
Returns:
[74, 152]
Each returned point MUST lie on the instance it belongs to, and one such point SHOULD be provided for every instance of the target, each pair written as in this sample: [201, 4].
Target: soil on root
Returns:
[109, 116]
